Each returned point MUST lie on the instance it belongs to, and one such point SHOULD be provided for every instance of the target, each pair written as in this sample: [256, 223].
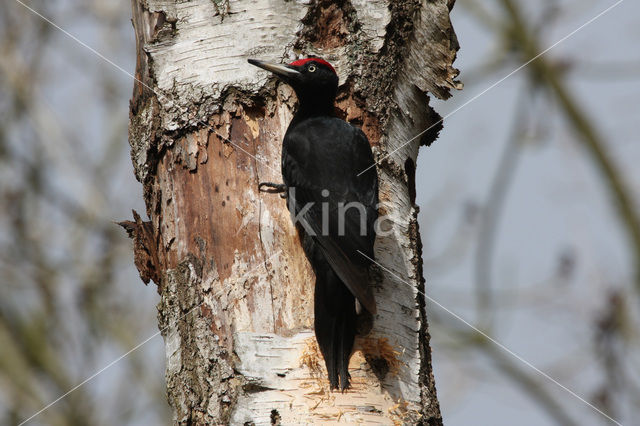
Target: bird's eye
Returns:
[312, 68]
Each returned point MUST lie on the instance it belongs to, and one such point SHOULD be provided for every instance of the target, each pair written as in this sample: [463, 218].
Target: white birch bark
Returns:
[237, 293]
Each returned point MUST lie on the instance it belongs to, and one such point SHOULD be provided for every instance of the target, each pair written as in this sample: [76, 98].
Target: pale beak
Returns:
[281, 70]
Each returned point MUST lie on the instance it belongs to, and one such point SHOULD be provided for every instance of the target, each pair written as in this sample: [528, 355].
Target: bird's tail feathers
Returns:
[335, 327]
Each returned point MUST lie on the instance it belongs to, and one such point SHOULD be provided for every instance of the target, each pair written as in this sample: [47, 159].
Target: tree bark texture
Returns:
[236, 309]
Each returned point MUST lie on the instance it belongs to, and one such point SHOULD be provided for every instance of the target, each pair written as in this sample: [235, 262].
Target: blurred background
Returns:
[529, 219]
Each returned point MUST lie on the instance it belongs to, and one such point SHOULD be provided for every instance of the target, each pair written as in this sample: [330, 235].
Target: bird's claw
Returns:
[273, 188]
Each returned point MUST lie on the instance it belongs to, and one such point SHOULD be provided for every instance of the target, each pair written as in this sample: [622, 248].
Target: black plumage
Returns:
[334, 208]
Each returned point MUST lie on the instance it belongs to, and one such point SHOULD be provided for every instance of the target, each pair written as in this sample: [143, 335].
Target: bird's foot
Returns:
[273, 188]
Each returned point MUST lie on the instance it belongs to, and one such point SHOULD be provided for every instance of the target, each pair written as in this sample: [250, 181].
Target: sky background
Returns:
[559, 248]
[556, 207]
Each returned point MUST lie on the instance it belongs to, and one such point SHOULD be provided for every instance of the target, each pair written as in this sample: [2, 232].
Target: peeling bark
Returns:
[236, 309]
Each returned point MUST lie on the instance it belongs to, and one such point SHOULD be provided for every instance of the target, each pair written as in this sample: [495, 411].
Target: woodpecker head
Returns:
[313, 79]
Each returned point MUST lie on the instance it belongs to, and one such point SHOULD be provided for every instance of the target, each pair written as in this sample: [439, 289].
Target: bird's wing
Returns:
[329, 156]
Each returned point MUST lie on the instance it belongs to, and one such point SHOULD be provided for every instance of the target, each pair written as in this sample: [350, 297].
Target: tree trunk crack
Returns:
[264, 251]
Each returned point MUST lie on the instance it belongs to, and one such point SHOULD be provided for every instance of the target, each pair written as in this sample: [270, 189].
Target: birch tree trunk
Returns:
[236, 309]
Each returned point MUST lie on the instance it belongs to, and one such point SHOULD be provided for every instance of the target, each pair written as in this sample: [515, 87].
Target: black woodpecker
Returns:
[335, 208]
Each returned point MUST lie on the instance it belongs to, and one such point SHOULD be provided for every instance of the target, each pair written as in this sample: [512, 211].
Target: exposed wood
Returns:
[236, 309]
